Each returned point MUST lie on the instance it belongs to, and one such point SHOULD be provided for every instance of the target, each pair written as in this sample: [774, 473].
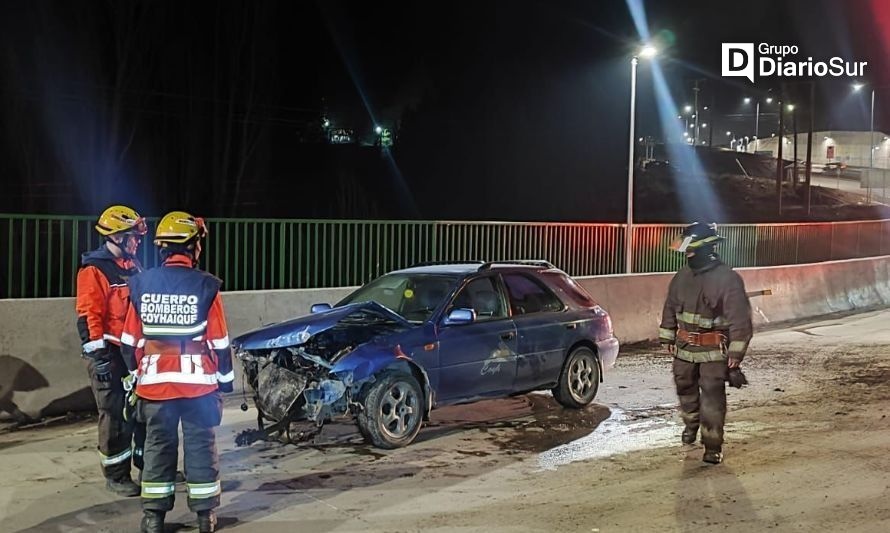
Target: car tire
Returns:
[392, 411]
[579, 379]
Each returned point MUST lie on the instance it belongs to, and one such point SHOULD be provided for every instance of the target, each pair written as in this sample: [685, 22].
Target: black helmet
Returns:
[698, 235]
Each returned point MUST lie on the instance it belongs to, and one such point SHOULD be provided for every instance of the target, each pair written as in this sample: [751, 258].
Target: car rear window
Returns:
[567, 287]
[528, 295]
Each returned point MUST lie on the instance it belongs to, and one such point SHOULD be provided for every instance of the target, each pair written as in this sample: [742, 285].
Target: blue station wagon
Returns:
[428, 336]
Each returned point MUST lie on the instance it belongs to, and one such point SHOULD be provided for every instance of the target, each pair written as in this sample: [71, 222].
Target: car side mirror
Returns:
[319, 308]
[460, 316]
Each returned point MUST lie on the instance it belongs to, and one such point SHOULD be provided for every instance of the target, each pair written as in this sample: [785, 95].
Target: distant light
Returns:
[704, 125]
[648, 51]
[327, 123]
[790, 107]
[857, 86]
[728, 133]
[706, 108]
[641, 139]
[693, 116]
[379, 130]
[769, 100]
[688, 108]
[685, 134]
[772, 134]
[747, 100]
[680, 116]
[692, 125]
[703, 142]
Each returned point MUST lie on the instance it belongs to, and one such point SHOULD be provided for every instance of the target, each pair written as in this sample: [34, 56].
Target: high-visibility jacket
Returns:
[711, 298]
[102, 297]
[175, 336]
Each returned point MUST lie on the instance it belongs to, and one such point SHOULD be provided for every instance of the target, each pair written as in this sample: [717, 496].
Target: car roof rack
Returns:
[434, 263]
[543, 263]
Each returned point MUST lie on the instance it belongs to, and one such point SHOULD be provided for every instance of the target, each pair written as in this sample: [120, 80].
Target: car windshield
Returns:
[413, 296]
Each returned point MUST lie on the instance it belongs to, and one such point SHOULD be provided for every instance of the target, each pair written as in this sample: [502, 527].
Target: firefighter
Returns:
[706, 326]
[176, 347]
[101, 305]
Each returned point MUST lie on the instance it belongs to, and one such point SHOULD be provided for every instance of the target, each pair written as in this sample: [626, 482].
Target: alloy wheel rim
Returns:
[581, 378]
[398, 410]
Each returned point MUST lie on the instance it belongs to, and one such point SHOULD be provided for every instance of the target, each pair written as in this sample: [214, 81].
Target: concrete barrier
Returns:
[42, 373]
[40, 366]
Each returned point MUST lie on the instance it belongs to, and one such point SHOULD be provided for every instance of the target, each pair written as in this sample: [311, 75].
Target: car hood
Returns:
[298, 331]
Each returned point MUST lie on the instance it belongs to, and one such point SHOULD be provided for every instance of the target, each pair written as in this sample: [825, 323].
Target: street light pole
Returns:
[757, 126]
[628, 230]
[871, 144]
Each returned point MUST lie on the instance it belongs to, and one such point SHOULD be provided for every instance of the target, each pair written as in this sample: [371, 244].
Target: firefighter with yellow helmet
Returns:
[101, 305]
[176, 346]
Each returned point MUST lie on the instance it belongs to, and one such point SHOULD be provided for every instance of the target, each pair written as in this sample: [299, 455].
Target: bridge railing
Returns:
[41, 254]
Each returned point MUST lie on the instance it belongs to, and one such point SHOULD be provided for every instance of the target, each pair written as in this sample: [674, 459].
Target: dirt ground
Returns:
[807, 450]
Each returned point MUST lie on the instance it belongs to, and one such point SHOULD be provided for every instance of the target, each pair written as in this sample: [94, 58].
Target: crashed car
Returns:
[429, 336]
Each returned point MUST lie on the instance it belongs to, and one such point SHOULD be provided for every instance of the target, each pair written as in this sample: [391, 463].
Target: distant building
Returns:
[849, 148]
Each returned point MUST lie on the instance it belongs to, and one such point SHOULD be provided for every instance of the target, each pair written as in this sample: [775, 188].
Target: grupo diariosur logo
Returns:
[782, 61]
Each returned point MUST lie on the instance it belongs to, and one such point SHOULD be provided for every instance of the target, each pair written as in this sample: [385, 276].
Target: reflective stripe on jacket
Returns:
[710, 299]
[175, 336]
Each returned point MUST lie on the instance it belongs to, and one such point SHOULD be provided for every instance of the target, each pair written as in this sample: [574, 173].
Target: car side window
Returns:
[528, 295]
[481, 295]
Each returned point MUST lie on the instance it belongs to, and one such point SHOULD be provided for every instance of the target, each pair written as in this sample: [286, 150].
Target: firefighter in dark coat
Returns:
[706, 325]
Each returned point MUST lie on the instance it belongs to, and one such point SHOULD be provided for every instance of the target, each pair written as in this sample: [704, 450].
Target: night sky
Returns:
[502, 110]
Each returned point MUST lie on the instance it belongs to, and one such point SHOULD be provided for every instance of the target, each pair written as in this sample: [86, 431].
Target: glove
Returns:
[102, 368]
[129, 381]
[130, 404]
[736, 378]
[226, 387]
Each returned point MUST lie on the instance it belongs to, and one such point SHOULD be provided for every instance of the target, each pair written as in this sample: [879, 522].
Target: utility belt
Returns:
[708, 339]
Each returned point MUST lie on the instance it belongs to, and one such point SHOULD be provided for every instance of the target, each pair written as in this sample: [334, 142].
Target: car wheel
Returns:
[392, 410]
[579, 380]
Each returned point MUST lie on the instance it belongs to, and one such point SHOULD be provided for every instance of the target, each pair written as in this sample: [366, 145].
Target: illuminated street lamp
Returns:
[647, 51]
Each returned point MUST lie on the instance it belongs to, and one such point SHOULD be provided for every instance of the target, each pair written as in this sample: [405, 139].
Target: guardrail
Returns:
[42, 253]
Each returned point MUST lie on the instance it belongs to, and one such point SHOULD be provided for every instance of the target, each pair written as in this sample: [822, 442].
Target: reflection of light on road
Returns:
[622, 433]
[617, 434]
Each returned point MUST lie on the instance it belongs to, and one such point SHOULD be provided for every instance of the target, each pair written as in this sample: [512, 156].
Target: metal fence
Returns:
[42, 253]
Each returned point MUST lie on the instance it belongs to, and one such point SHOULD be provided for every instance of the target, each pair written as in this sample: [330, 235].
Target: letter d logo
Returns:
[738, 60]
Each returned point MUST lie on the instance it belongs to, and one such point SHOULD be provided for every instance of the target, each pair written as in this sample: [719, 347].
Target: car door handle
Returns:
[509, 336]
[573, 325]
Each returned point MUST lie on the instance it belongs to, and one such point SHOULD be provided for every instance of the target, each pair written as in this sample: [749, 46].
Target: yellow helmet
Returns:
[179, 227]
[120, 219]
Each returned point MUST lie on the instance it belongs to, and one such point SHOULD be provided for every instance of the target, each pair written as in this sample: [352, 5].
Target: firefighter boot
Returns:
[713, 456]
[123, 487]
[152, 522]
[206, 521]
[689, 434]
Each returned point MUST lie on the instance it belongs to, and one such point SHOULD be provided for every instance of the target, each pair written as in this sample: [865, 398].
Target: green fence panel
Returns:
[43, 252]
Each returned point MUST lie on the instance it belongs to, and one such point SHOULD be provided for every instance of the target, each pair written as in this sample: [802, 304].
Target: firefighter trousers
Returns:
[120, 441]
[198, 416]
[701, 388]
